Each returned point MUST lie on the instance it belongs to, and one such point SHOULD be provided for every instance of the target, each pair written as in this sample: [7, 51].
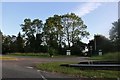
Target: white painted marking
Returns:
[38, 70]
[43, 77]
[30, 67]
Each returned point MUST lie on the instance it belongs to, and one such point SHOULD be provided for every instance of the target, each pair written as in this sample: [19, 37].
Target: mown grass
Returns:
[42, 55]
[108, 56]
[29, 54]
[55, 67]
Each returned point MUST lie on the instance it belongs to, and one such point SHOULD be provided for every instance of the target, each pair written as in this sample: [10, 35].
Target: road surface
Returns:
[23, 67]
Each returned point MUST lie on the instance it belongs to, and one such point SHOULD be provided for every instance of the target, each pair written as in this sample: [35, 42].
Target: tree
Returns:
[6, 41]
[60, 29]
[13, 45]
[74, 28]
[53, 31]
[31, 30]
[115, 34]
[38, 43]
[20, 43]
[27, 28]
[102, 43]
[38, 40]
[37, 25]
[28, 33]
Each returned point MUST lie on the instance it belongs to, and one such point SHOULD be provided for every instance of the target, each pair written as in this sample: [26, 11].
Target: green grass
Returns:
[108, 56]
[44, 55]
[30, 54]
[55, 67]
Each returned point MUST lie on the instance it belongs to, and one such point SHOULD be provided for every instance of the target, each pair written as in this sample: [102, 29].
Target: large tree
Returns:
[115, 34]
[60, 29]
[31, 31]
[74, 28]
[38, 25]
[53, 31]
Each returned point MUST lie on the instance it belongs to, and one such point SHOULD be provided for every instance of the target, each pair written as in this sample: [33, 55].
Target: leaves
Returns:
[74, 28]
[55, 32]
[115, 34]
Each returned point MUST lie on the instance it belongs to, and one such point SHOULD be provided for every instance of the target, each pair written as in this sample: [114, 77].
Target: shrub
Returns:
[52, 51]
[115, 56]
[112, 56]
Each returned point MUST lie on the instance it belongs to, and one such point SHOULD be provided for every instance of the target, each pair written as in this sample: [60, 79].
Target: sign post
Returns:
[68, 52]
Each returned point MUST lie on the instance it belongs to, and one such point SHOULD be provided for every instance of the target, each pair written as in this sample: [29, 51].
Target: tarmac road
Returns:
[23, 67]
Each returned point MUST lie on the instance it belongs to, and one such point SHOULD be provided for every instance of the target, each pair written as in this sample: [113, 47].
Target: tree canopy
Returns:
[115, 34]
[59, 32]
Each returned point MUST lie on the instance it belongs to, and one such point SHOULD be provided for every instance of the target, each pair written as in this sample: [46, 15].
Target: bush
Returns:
[112, 56]
[108, 56]
[52, 51]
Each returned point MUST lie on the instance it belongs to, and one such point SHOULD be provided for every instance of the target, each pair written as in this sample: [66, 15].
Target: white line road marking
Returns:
[43, 77]
[38, 70]
[29, 67]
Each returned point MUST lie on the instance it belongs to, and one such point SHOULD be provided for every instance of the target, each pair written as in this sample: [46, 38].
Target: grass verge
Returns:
[108, 56]
[42, 55]
[29, 54]
[55, 67]
[7, 58]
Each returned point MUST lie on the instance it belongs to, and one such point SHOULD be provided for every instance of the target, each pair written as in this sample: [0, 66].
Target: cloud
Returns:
[89, 6]
[86, 8]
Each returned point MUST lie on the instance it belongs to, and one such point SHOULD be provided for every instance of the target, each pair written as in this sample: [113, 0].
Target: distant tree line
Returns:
[112, 44]
[59, 33]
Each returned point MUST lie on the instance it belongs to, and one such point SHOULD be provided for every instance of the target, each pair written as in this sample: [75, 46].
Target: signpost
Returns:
[100, 52]
[68, 52]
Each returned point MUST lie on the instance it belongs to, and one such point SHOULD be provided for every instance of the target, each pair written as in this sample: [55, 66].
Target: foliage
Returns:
[6, 41]
[103, 43]
[64, 28]
[12, 44]
[77, 48]
[115, 34]
[52, 51]
[74, 28]
[55, 32]
[19, 43]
